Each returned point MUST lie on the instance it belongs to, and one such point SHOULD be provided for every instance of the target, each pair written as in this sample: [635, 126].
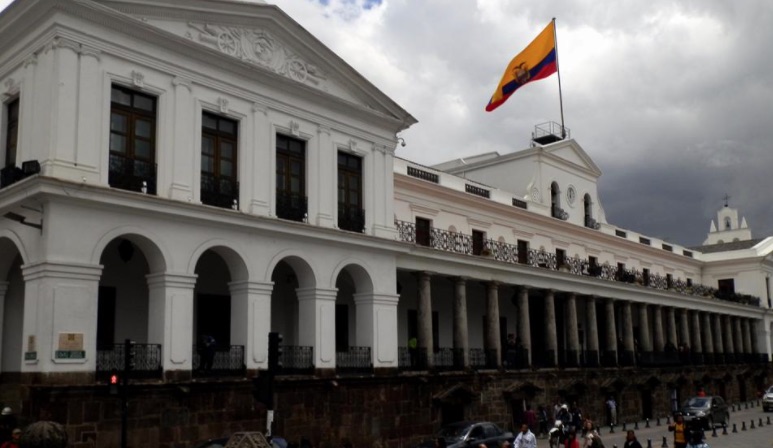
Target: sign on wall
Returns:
[70, 346]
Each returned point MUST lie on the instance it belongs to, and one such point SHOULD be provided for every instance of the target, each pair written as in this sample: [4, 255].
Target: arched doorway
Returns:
[123, 308]
[299, 337]
[11, 308]
[354, 338]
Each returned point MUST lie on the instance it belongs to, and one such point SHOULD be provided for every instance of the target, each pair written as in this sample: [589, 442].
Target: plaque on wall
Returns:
[71, 341]
[70, 354]
[30, 356]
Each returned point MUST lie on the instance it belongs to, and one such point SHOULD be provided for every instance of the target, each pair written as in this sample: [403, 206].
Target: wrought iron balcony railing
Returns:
[219, 191]
[351, 218]
[225, 361]
[354, 360]
[292, 206]
[132, 174]
[296, 359]
[147, 360]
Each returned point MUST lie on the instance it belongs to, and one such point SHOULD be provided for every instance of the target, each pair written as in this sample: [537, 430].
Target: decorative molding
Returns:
[295, 128]
[384, 149]
[32, 60]
[63, 42]
[258, 107]
[258, 47]
[352, 145]
[138, 79]
[91, 51]
[179, 81]
[12, 88]
[222, 103]
[323, 130]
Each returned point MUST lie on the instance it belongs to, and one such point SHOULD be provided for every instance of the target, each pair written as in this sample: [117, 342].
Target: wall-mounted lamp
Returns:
[402, 141]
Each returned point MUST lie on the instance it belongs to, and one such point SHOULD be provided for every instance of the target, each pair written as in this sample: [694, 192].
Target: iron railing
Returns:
[351, 218]
[296, 359]
[226, 361]
[147, 360]
[292, 206]
[354, 360]
[131, 174]
[219, 191]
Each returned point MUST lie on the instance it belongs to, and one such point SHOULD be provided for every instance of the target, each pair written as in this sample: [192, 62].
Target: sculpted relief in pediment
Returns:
[258, 47]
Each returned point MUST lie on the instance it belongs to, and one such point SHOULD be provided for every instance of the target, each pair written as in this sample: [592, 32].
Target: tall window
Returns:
[11, 132]
[351, 216]
[290, 178]
[219, 186]
[523, 251]
[588, 211]
[478, 241]
[132, 140]
[555, 201]
[423, 231]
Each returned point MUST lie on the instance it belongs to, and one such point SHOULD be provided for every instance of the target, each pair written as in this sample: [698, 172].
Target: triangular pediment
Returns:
[569, 151]
[264, 36]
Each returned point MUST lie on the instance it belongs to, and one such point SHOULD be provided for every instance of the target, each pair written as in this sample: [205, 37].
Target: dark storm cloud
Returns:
[672, 99]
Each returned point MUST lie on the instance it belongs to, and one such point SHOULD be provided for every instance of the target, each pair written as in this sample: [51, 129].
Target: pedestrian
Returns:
[209, 346]
[611, 411]
[531, 418]
[630, 440]
[564, 416]
[591, 437]
[413, 345]
[525, 438]
[542, 419]
[701, 392]
[679, 429]
[14, 442]
[571, 441]
[7, 424]
[576, 416]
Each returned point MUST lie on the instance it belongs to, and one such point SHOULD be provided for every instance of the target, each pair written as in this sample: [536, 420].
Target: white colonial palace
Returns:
[179, 168]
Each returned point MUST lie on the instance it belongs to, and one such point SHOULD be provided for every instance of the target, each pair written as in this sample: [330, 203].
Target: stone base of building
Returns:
[378, 410]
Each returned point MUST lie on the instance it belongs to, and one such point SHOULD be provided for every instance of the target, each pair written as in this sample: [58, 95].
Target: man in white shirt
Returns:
[526, 438]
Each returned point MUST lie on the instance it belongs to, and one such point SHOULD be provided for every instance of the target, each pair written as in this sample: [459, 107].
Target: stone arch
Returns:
[305, 273]
[154, 251]
[234, 259]
[12, 292]
[10, 243]
[359, 272]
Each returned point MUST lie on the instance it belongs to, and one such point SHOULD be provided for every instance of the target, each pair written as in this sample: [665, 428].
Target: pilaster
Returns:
[170, 321]
[376, 316]
[251, 320]
[316, 323]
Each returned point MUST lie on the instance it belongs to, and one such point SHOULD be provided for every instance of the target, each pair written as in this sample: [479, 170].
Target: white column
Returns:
[251, 320]
[3, 290]
[461, 331]
[376, 327]
[90, 95]
[60, 316]
[493, 343]
[64, 122]
[316, 323]
[183, 185]
[383, 218]
[170, 318]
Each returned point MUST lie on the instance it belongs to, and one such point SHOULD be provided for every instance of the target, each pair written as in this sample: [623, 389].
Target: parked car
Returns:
[767, 400]
[471, 434]
[709, 411]
[214, 443]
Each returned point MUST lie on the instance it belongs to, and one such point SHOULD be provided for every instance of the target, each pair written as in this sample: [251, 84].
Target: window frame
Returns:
[12, 124]
[220, 137]
[288, 156]
[349, 173]
[134, 114]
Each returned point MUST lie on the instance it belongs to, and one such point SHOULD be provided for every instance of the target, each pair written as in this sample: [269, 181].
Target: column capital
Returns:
[524, 288]
[376, 298]
[81, 271]
[305, 294]
[250, 287]
[460, 279]
[169, 279]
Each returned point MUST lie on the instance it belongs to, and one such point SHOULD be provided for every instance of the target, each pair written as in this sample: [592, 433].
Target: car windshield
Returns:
[696, 402]
[770, 390]
[456, 431]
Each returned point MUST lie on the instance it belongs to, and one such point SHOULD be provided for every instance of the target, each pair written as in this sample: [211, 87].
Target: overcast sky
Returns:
[672, 99]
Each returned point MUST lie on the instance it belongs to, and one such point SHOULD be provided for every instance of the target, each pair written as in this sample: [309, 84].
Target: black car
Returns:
[708, 411]
[471, 434]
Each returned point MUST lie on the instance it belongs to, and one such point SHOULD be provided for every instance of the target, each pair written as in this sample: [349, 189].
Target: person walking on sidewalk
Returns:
[680, 431]
[630, 440]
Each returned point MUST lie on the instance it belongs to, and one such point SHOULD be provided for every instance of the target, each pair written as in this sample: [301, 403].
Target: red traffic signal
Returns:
[114, 380]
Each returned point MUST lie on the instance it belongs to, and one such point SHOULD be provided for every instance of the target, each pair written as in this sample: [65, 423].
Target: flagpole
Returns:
[558, 72]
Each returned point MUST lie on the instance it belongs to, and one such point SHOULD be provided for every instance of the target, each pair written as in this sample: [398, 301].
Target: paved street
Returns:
[759, 437]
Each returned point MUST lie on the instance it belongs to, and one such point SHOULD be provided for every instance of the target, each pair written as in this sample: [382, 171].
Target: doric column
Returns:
[551, 338]
[696, 333]
[719, 346]
[684, 328]
[738, 337]
[628, 339]
[727, 321]
[524, 327]
[461, 334]
[3, 290]
[747, 337]
[425, 318]
[573, 336]
[170, 312]
[611, 332]
[493, 343]
[753, 336]
[375, 312]
[316, 324]
[251, 320]
[645, 344]
[671, 324]
[658, 337]
[593, 331]
[708, 341]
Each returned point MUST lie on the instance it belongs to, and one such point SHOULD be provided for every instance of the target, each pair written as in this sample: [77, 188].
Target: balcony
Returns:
[460, 243]
[291, 206]
[351, 218]
[354, 360]
[147, 361]
[226, 361]
[219, 191]
[296, 360]
[131, 174]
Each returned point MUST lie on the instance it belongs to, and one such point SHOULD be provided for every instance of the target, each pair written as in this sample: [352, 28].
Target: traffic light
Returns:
[274, 352]
[114, 381]
[263, 389]
[129, 358]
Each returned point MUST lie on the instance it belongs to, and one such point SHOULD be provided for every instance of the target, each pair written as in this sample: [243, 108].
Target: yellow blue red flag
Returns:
[535, 62]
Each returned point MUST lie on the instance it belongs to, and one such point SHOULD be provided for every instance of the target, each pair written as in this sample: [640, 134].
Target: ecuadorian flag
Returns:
[536, 61]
